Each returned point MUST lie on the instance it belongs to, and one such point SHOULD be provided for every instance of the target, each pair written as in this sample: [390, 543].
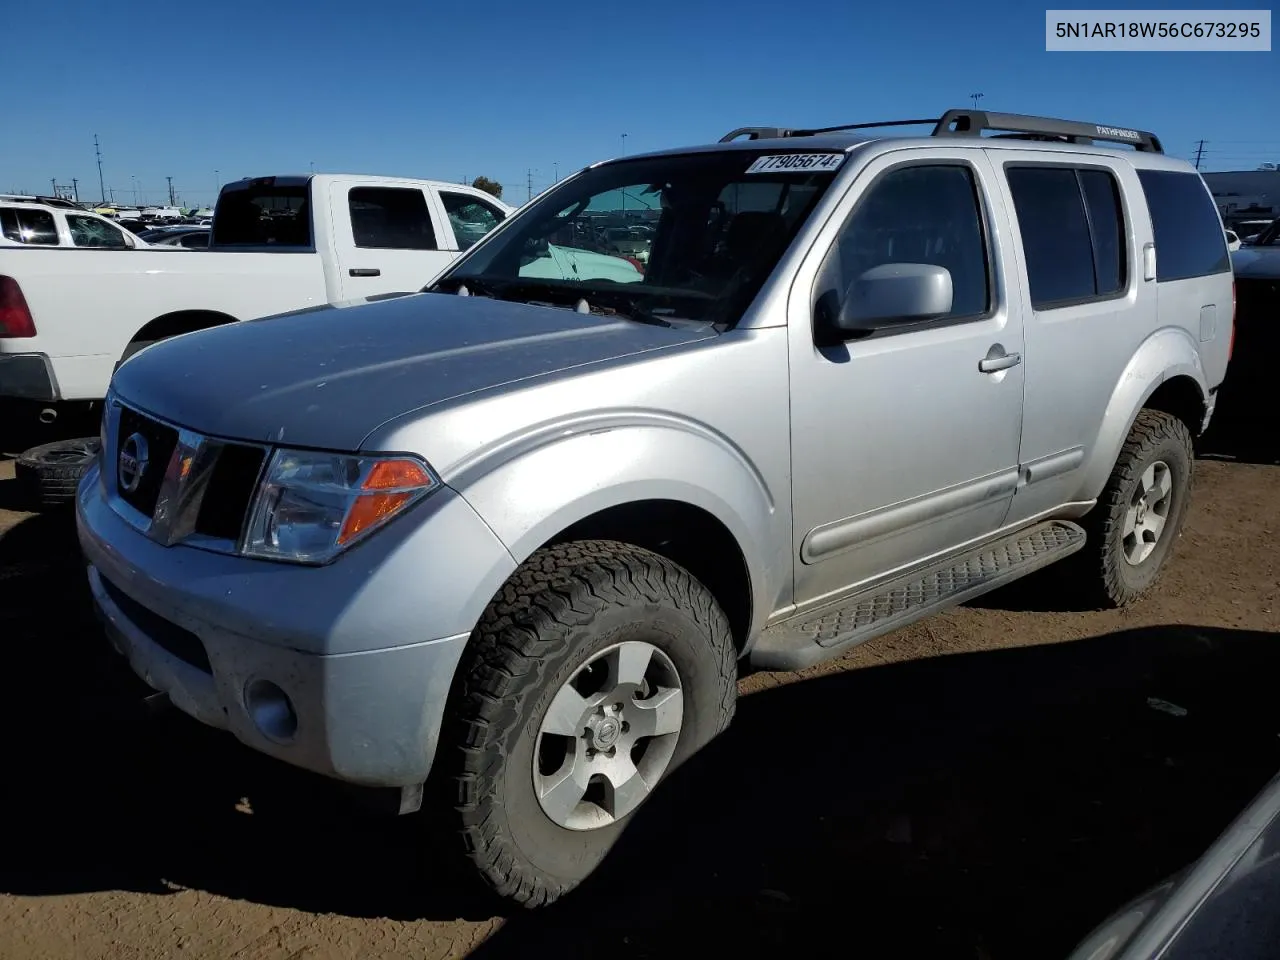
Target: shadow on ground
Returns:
[1001, 802]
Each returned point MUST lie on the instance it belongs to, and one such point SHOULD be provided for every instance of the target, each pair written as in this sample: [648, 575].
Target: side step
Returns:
[829, 631]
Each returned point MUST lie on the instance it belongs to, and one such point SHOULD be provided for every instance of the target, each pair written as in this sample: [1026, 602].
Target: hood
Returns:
[1256, 262]
[327, 377]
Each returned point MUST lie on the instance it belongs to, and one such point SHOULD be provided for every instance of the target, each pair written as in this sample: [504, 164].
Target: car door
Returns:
[385, 239]
[903, 445]
[1087, 307]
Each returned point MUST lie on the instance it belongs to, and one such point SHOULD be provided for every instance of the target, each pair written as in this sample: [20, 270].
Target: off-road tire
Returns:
[1113, 581]
[559, 608]
[50, 474]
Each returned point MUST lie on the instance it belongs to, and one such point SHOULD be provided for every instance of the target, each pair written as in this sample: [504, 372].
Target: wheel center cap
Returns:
[605, 731]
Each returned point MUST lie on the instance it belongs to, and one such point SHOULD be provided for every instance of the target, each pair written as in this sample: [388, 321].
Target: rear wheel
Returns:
[1140, 514]
[596, 671]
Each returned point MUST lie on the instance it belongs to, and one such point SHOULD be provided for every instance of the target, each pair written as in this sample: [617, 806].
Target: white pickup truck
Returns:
[69, 316]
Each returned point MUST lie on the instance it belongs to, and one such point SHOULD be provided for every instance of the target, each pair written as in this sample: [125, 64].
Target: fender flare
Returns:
[531, 487]
[1167, 354]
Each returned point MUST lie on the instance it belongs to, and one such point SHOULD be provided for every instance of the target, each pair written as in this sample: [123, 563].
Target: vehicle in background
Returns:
[518, 534]
[278, 244]
[1233, 241]
[39, 223]
[1250, 230]
[1221, 906]
[188, 237]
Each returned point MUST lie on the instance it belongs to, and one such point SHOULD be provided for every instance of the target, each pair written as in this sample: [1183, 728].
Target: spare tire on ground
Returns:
[50, 473]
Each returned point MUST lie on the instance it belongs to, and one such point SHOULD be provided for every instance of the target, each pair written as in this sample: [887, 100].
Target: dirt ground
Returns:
[986, 785]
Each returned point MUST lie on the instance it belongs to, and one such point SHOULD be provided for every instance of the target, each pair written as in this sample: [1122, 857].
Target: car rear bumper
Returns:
[27, 376]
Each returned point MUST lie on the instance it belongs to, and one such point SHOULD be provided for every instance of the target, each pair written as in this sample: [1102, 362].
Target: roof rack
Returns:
[35, 198]
[973, 123]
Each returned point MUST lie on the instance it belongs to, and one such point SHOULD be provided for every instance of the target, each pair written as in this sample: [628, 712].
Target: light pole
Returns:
[624, 144]
[975, 97]
[217, 185]
[556, 172]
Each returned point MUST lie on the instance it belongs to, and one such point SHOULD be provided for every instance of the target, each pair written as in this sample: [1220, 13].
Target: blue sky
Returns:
[447, 90]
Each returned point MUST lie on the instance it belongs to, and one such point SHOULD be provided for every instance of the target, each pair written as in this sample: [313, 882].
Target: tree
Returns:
[488, 186]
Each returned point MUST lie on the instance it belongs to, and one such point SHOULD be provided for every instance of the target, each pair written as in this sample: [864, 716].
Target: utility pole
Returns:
[530, 184]
[98, 153]
[75, 189]
[171, 200]
[1199, 152]
[53, 181]
[556, 168]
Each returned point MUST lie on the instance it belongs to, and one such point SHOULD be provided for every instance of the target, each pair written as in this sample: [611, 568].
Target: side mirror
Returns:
[894, 293]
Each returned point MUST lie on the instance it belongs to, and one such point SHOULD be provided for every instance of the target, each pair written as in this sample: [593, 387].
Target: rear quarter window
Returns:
[1189, 238]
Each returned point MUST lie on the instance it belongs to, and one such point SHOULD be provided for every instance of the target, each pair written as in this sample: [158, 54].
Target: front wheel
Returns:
[1140, 514]
[596, 671]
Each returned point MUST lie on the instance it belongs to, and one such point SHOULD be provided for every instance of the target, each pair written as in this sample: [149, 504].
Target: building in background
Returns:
[1245, 195]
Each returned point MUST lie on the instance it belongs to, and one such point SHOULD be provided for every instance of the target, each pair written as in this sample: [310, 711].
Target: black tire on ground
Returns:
[50, 473]
[1156, 438]
[565, 604]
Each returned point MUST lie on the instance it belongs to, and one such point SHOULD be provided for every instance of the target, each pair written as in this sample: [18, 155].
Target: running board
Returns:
[831, 630]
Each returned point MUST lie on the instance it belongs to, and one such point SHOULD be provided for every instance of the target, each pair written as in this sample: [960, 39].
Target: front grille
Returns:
[183, 644]
[231, 487]
[161, 440]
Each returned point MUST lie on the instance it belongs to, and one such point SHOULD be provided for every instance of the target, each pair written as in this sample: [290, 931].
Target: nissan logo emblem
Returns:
[133, 463]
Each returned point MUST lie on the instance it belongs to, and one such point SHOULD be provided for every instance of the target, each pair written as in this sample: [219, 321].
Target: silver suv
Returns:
[521, 531]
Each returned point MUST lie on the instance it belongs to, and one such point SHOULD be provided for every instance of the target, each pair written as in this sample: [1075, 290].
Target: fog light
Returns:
[271, 710]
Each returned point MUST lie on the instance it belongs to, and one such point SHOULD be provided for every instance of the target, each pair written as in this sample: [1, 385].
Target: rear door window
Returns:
[391, 218]
[1071, 221]
[1188, 231]
[33, 227]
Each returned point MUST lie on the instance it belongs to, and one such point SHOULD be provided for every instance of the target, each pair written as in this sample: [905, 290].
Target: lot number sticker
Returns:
[797, 162]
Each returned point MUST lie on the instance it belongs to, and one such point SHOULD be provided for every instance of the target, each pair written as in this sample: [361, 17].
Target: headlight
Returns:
[311, 506]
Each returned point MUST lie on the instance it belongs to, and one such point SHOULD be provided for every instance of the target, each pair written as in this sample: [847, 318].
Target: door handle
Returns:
[1003, 362]
[365, 272]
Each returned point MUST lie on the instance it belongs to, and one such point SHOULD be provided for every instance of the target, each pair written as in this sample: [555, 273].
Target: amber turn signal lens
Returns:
[400, 479]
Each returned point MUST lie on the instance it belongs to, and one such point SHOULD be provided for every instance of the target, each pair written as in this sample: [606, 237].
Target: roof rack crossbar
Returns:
[973, 123]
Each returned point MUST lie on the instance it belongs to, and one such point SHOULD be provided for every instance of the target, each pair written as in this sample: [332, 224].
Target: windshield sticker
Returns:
[796, 162]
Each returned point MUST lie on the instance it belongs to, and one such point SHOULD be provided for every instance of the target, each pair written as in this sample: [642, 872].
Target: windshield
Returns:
[690, 237]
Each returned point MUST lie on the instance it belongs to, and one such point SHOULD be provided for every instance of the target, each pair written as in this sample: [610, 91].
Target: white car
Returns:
[277, 245]
[40, 223]
[1233, 241]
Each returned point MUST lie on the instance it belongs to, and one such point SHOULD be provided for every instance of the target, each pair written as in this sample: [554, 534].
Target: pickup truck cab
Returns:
[516, 536]
[69, 314]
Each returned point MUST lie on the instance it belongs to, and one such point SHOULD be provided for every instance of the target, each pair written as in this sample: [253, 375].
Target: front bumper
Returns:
[27, 376]
[364, 648]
